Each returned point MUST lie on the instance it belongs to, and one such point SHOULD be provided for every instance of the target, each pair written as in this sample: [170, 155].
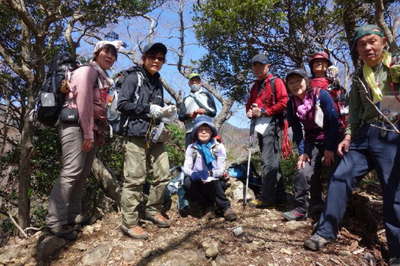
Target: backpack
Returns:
[286, 146]
[51, 99]
[116, 123]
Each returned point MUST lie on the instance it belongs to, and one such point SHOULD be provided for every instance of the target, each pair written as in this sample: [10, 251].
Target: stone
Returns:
[88, 230]
[97, 255]
[238, 231]
[344, 253]
[286, 251]
[295, 225]
[129, 255]
[185, 257]
[210, 248]
[235, 191]
[9, 255]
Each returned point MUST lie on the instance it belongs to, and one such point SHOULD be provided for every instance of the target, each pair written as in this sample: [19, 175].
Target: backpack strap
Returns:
[199, 103]
[273, 87]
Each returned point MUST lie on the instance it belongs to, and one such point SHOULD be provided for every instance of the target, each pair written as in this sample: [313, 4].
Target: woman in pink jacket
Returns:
[86, 101]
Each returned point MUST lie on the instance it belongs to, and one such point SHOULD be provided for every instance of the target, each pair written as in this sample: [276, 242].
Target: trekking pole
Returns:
[252, 124]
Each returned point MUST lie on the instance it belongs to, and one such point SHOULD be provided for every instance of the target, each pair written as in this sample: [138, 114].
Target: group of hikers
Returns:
[348, 142]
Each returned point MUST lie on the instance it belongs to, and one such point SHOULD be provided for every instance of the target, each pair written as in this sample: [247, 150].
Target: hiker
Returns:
[324, 75]
[141, 103]
[198, 102]
[370, 142]
[316, 146]
[80, 137]
[204, 168]
[266, 104]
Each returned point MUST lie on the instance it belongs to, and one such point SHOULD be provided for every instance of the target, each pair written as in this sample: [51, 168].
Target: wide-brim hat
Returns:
[203, 120]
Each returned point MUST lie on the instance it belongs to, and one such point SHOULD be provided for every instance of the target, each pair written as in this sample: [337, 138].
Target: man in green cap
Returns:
[372, 141]
[198, 102]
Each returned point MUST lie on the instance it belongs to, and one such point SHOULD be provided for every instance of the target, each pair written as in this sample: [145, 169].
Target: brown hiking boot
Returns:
[230, 215]
[136, 232]
[158, 220]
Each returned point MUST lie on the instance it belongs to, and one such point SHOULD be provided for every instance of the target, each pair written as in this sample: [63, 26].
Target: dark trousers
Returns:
[372, 150]
[308, 179]
[272, 190]
[208, 194]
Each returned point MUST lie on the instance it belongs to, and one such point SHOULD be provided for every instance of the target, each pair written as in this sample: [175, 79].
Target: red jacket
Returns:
[264, 99]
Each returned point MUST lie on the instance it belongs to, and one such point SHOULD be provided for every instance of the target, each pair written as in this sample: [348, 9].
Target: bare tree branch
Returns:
[380, 20]
[177, 96]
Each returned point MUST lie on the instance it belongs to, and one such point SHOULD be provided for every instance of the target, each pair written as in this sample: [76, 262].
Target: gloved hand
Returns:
[168, 111]
[332, 72]
[199, 175]
[155, 111]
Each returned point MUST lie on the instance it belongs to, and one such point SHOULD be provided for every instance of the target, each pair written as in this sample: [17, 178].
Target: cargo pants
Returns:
[65, 201]
[143, 165]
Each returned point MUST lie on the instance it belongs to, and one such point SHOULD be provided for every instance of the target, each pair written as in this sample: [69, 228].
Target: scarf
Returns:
[304, 106]
[205, 151]
[103, 81]
[369, 77]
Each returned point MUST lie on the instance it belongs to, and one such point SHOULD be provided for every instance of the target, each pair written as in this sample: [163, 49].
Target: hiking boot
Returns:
[136, 232]
[260, 204]
[394, 261]
[316, 242]
[230, 215]
[158, 220]
[184, 212]
[294, 215]
[64, 231]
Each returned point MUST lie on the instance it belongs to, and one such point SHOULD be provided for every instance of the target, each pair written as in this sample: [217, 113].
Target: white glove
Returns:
[168, 111]
[332, 72]
[155, 111]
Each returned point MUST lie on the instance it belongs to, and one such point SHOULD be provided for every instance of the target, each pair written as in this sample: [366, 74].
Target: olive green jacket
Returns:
[361, 110]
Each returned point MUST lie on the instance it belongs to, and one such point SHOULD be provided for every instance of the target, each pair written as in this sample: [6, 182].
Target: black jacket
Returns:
[138, 91]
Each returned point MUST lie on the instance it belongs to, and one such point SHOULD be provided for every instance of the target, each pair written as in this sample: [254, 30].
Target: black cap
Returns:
[156, 47]
[260, 58]
[297, 71]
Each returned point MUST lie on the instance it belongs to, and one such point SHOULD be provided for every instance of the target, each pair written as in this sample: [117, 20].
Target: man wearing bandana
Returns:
[372, 141]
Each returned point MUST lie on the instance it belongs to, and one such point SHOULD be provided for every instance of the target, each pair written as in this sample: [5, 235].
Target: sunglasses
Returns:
[154, 58]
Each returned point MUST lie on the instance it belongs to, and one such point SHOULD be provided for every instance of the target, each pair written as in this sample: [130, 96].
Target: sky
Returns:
[135, 30]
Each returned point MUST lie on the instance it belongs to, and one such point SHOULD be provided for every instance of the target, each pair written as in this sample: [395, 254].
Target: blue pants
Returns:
[371, 150]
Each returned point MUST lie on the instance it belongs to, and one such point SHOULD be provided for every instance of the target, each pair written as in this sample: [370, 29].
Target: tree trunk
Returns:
[24, 172]
[106, 179]
[225, 113]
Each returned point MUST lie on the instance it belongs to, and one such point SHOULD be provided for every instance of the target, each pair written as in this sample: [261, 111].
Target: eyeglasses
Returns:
[154, 58]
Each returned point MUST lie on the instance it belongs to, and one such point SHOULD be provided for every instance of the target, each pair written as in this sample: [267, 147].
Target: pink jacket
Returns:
[89, 100]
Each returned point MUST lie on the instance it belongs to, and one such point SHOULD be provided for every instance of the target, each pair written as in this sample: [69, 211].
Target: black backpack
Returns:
[50, 99]
[116, 123]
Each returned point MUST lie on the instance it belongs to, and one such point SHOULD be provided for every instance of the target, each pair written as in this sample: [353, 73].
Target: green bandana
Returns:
[367, 29]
